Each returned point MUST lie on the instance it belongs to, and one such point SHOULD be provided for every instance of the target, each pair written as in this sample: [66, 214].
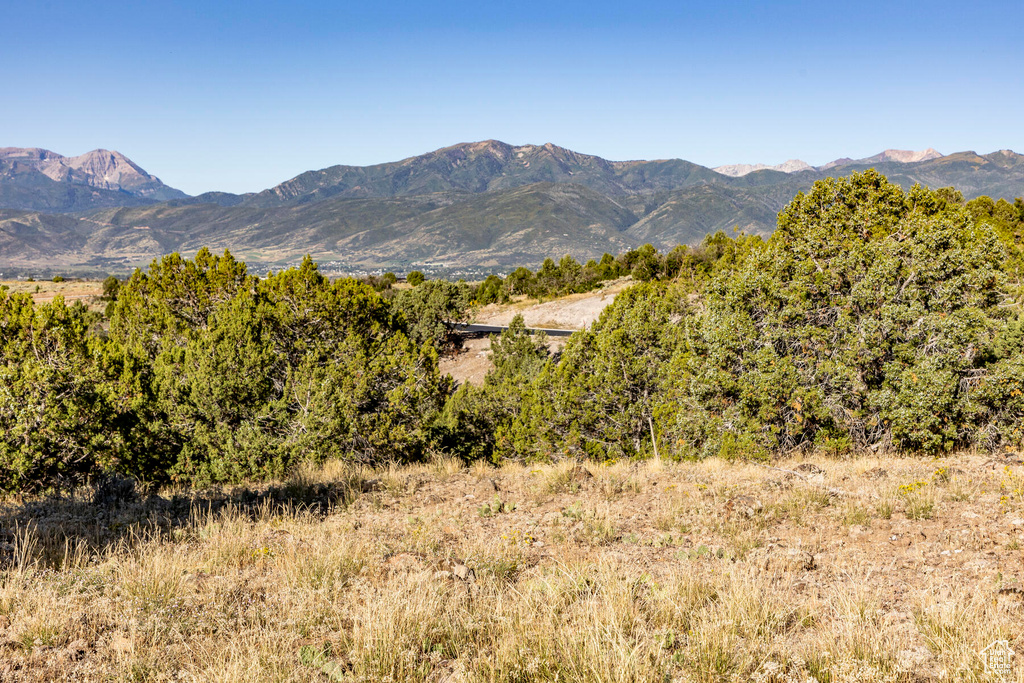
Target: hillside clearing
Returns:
[88, 292]
[572, 312]
[880, 569]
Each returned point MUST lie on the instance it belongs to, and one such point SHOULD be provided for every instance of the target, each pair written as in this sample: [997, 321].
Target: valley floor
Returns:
[882, 569]
[89, 292]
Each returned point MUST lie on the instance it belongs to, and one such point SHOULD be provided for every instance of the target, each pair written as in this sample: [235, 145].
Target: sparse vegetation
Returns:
[348, 573]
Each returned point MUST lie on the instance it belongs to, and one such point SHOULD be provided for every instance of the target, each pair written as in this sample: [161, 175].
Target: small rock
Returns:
[743, 506]
[579, 473]
[119, 643]
[797, 560]
[1017, 522]
[461, 571]
[406, 562]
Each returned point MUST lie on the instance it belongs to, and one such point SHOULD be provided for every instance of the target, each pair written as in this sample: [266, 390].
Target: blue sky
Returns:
[239, 96]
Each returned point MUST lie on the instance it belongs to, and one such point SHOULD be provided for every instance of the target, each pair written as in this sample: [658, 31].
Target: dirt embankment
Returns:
[573, 312]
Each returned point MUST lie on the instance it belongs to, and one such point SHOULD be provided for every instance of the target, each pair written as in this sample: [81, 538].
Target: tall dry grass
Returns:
[633, 572]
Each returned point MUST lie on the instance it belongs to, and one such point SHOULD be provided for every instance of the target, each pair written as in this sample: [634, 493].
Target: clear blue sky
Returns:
[239, 96]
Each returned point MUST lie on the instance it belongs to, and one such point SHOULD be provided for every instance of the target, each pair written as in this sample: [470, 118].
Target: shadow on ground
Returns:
[47, 531]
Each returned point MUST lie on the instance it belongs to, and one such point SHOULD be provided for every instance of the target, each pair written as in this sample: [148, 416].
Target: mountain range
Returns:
[485, 204]
[41, 180]
[903, 156]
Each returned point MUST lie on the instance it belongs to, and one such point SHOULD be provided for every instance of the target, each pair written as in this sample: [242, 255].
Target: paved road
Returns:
[498, 329]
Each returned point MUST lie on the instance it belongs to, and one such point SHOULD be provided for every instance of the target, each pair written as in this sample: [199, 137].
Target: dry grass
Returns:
[655, 571]
[88, 292]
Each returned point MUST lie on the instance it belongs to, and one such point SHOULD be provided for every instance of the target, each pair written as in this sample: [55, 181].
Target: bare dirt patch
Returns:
[471, 364]
[473, 361]
[573, 312]
[88, 292]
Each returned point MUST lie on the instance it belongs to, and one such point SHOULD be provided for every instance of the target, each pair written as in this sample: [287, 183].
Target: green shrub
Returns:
[231, 377]
[601, 398]
[54, 414]
[431, 309]
[857, 322]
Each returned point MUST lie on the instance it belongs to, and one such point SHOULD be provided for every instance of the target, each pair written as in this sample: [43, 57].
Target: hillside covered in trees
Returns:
[474, 207]
[873, 318]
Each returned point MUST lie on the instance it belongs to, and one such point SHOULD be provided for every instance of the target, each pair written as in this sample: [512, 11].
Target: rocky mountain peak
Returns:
[27, 154]
[903, 156]
[100, 169]
[737, 170]
[109, 170]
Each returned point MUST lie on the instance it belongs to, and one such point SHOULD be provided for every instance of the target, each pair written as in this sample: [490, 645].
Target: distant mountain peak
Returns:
[487, 203]
[902, 156]
[100, 169]
[737, 170]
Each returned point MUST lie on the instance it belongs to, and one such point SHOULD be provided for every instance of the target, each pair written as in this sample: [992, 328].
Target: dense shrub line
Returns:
[567, 276]
[872, 318]
[210, 374]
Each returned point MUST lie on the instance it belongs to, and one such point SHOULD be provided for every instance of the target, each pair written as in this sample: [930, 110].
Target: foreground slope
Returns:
[887, 569]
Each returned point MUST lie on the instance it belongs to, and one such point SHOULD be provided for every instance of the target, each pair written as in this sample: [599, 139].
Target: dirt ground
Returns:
[472, 363]
[574, 312]
[869, 569]
[86, 291]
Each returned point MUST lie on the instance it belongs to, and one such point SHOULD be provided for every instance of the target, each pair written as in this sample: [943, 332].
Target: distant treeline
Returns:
[567, 276]
[873, 318]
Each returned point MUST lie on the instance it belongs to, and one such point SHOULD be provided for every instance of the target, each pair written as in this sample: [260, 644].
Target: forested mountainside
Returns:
[484, 204]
